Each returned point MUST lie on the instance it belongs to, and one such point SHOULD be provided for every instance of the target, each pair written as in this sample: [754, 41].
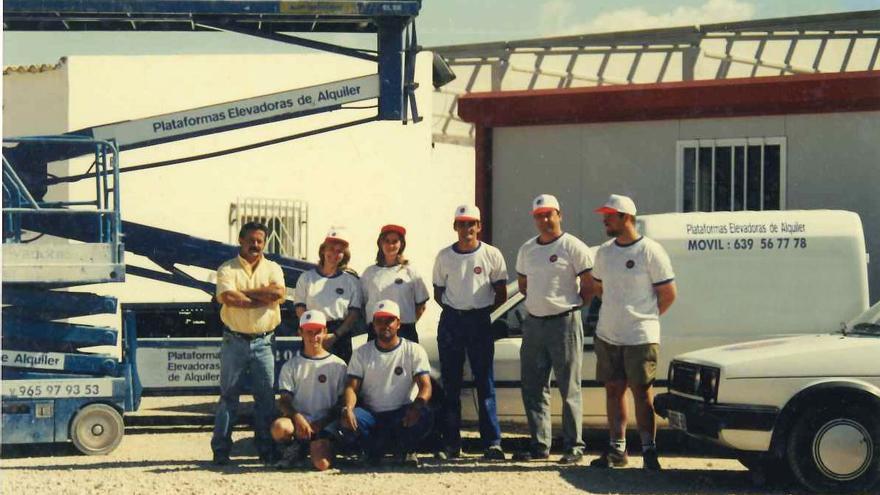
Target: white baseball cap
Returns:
[618, 203]
[312, 320]
[387, 308]
[337, 234]
[544, 203]
[467, 213]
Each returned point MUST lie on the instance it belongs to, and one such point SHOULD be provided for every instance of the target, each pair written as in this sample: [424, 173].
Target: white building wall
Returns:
[833, 161]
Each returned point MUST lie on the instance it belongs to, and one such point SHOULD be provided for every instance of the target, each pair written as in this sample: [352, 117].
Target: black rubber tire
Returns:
[812, 437]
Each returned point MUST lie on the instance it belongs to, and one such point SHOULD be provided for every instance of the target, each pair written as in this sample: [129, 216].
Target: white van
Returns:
[740, 276]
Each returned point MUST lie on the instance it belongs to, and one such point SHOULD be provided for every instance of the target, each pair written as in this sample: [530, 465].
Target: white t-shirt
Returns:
[315, 383]
[387, 377]
[467, 278]
[331, 295]
[629, 313]
[552, 271]
[400, 283]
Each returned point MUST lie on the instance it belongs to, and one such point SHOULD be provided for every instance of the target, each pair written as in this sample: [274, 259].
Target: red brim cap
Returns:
[466, 218]
[336, 239]
[393, 228]
[311, 326]
[384, 314]
[605, 209]
[543, 209]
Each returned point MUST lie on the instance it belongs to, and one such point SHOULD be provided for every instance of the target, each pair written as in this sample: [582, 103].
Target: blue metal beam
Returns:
[44, 334]
[390, 43]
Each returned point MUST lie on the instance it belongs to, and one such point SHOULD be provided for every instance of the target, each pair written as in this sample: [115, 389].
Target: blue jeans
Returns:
[377, 430]
[467, 334]
[241, 359]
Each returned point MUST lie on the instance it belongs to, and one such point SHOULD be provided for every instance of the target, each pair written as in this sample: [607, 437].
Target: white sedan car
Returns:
[808, 403]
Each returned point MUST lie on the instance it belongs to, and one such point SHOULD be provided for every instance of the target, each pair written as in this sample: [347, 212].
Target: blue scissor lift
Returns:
[70, 381]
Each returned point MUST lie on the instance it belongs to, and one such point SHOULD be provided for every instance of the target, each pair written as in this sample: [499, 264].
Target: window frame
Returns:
[696, 144]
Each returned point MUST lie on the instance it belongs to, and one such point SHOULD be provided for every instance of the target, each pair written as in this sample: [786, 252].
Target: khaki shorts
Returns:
[636, 364]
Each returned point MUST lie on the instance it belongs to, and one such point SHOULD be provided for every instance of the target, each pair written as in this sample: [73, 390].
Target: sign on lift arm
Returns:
[240, 113]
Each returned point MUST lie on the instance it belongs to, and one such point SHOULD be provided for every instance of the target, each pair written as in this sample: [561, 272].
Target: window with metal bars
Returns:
[731, 174]
[287, 221]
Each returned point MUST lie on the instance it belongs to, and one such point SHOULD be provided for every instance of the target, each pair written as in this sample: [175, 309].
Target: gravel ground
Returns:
[175, 460]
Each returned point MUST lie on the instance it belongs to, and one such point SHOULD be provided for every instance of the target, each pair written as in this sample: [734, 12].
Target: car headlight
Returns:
[708, 383]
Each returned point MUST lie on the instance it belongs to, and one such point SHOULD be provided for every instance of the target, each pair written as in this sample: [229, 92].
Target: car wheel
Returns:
[836, 448]
[97, 429]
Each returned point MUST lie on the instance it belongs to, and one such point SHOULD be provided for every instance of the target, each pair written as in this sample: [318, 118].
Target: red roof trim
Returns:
[812, 93]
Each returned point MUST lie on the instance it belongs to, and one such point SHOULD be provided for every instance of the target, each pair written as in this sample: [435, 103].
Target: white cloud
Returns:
[555, 17]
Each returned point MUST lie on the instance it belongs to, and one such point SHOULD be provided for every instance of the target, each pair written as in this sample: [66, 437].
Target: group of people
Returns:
[378, 398]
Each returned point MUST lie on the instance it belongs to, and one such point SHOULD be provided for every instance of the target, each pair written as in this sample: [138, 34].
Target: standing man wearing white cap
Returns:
[387, 393]
[470, 280]
[250, 288]
[635, 280]
[553, 273]
[310, 385]
[333, 289]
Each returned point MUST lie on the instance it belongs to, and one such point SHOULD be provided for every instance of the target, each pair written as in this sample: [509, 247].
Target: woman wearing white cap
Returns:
[333, 289]
[392, 277]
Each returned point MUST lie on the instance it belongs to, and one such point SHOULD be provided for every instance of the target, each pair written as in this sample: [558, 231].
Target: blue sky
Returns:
[444, 22]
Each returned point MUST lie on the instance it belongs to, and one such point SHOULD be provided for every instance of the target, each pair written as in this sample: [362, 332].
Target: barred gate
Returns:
[287, 221]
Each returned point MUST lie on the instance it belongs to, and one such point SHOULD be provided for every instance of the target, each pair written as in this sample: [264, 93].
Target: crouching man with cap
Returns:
[385, 401]
[635, 280]
[311, 384]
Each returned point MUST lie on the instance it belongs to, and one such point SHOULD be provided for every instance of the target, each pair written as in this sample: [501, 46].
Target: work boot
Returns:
[612, 458]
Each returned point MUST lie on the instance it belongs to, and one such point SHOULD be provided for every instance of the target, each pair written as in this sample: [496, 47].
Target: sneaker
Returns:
[611, 459]
[571, 457]
[531, 455]
[291, 456]
[494, 453]
[410, 459]
[220, 459]
[650, 461]
[447, 453]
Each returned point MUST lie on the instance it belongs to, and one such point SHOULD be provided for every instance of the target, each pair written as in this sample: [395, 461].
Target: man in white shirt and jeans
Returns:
[635, 280]
[553, 271]
[470, 280]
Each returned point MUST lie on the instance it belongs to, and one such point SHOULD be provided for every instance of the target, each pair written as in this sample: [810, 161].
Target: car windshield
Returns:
[867, 323]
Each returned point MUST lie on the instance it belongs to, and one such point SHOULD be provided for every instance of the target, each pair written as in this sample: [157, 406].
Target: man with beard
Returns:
[250, 288]
[310, 384]
[553, 273]
[635, 280]
[386, 397]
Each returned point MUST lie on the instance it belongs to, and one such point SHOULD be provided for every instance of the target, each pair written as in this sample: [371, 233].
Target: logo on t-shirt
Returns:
[398, 370]
[398, 281]
[478, 270]
[630, 263]
[340, 291]
[553, 258]
[322, 378]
